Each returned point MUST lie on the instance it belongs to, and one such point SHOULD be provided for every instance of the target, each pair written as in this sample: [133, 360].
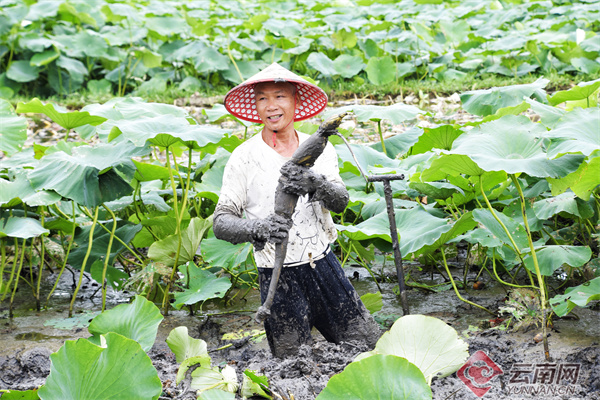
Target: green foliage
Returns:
[134, 48]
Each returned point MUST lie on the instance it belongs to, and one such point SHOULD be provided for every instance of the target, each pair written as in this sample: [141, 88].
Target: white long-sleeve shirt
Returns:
[249, 183]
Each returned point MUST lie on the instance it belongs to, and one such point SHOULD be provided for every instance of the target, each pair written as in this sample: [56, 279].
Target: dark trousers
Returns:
[321, 297]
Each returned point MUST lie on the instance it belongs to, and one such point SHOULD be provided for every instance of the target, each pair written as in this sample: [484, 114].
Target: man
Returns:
[312, 289]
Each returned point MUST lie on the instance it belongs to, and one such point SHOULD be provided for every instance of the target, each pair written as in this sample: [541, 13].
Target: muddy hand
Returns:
[298, 180]
[262, 314]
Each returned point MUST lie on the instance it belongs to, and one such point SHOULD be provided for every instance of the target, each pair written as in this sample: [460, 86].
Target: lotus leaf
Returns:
[61, 116]
[184, 346]
[202, 285]
[14, 129]
[165, 250]
[427, 342]
[138, 321]
[22, 228]
[82, 370]
[576, 296]
[378, 377]
[512, 144]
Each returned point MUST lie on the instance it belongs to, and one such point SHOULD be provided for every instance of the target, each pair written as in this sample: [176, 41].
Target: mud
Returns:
[27, 341]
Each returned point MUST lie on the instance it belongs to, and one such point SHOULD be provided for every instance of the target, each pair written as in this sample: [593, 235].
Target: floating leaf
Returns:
[82, 370]
[378, 377]
[427, 342]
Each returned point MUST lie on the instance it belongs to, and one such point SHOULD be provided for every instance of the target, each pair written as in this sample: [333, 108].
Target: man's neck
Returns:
[284, 142]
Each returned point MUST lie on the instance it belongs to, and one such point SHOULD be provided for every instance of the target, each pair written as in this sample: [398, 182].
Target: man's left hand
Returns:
[299, 180]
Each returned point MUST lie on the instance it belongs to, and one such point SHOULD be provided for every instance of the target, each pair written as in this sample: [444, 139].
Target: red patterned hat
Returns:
[241, 103]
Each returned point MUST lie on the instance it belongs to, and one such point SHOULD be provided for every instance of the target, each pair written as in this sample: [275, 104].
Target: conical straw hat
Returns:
[241, 103]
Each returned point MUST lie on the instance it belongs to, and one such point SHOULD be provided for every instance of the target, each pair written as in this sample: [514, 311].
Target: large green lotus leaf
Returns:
[212, 180]
[22, 71]
[138, 321]
[320, 62]
[576, 296]
[493, 228]
[202, 285]
[166, 131]
[378, 377]
[20, 190]
[582, 182]
[552, 257]
[381, 70]
[66, 119]
[366, 156]
[451, 164]
[546, 208]
[82, 370]
[184, 346]
[13, 132]
[399, 144]
[441, 137]
[222, 254]
[582, 91]
[487, 101]
[580, 131]
[427, 342]
[512, 144]
[150, 172]
[416, 227]
[165, 250]
[435, 190]
[125, 231]
[549, 115]
[86, 176]
[465, 223]
[348, 66]
[22, 228]
[396, 113]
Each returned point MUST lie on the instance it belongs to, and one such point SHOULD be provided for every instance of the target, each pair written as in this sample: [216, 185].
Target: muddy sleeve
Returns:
[331, 192]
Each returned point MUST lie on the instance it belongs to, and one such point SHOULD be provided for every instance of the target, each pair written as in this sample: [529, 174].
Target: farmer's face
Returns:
[275, 104]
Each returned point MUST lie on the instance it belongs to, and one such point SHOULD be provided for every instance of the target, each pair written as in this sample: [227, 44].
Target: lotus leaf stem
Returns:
[506, 283]
[538, 273]
[381, 136]
[62, 269]
[165, 303]
[41, 267]
[456, 288]
[12, 272]
[85, 259]
[107, 257]
[12, 297]
[515, 247]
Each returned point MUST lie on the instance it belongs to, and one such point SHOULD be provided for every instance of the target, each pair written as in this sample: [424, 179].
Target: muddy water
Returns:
[27, 341]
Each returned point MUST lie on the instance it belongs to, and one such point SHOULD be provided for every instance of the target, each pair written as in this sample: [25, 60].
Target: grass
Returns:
[337, 90]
